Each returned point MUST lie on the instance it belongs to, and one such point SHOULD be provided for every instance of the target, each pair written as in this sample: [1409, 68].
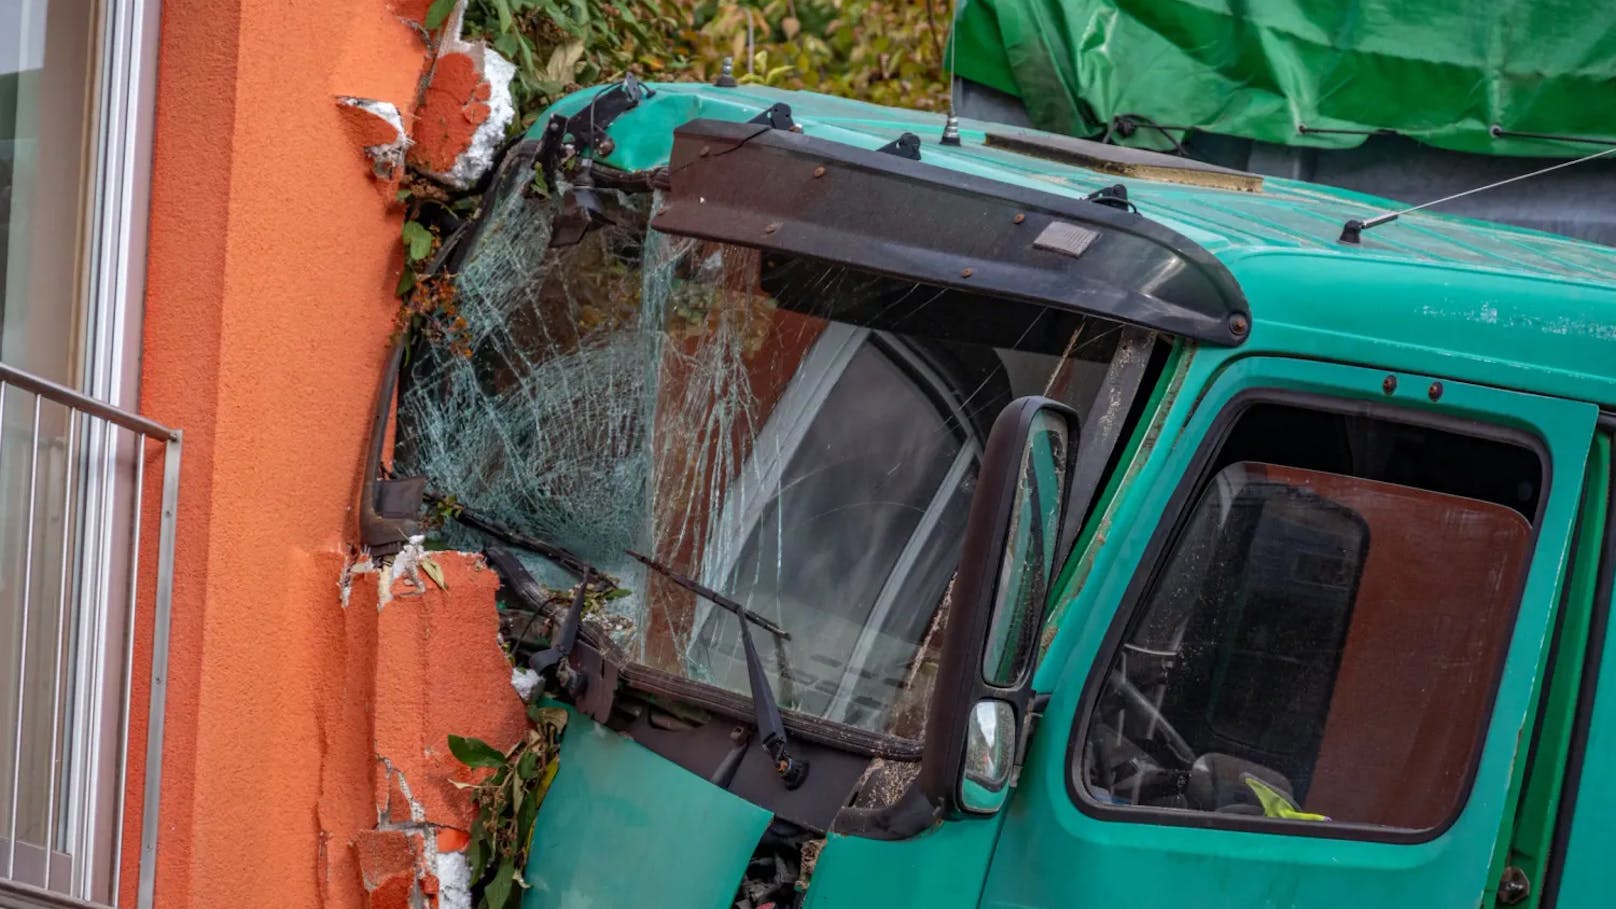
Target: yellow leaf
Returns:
[563, 63]
[543, 787]
[790, 26]
[434, 571]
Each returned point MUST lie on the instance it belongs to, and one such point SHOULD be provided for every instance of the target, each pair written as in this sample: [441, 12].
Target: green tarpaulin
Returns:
[1440, 71]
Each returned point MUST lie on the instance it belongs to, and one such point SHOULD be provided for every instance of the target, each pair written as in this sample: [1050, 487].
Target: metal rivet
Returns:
[705, 150]
[771, 228]
[605, 147]
[819, 171]
[966, 273]
[1239, 324]
[1388, 384]
[1435, 391]
[1018, 218]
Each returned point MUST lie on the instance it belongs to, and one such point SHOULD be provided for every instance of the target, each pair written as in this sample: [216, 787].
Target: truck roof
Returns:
[1499, 304]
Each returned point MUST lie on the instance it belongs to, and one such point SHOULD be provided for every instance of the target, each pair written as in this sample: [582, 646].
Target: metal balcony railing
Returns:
[79, 589]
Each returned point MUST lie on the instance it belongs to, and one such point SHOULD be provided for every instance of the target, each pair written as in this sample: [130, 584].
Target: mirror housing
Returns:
[996, 607]
[990, 750]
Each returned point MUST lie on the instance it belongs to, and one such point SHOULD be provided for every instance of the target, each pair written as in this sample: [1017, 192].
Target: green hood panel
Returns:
[624, 827]
[1440, 71]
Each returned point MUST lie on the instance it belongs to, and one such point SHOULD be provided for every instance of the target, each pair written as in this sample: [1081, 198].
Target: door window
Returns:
[1322, 637]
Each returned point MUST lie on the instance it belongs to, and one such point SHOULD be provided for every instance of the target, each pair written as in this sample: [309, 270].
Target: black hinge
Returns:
[1113, 196]
[905, 146]
[777, 116]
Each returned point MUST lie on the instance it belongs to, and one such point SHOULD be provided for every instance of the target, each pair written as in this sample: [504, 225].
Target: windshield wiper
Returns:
[569, 561]
[792, 770]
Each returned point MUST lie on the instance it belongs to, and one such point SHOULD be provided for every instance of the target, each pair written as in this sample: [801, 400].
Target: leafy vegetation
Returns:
[887, 51]
[507, 798]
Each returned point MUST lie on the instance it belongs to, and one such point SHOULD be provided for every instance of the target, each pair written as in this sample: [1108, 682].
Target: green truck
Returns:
[911, 516]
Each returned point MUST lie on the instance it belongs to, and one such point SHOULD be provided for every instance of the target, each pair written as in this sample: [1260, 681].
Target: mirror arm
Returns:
[1029, 725]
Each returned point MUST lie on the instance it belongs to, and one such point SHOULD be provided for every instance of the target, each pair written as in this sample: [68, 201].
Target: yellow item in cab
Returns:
[1276, 803]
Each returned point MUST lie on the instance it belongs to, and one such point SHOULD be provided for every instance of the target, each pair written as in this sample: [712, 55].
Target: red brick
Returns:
[385, 855]
[453, 839]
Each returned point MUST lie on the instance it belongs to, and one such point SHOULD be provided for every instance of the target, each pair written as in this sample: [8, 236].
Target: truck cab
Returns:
[996, 519]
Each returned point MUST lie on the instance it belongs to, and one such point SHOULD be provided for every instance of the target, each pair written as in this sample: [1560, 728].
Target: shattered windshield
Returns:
[800, 437]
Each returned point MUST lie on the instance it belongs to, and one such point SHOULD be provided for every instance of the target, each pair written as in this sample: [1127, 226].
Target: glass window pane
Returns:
[1317, 647]
[47, 50]
[46, 68]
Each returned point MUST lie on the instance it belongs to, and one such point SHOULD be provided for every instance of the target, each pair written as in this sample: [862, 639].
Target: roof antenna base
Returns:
[726, 74]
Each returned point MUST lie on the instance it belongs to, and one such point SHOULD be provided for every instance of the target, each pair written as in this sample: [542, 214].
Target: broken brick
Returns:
[453, 839]
[387, 854]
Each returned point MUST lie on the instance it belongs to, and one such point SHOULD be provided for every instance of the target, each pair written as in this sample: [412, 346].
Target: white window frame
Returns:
[114, 294]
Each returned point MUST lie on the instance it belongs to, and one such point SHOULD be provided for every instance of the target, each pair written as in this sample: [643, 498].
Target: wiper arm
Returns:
[565, 636]
[792, 770]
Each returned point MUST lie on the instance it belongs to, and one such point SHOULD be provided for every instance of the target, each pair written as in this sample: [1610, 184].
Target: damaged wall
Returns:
[417, 663]
[272, 260]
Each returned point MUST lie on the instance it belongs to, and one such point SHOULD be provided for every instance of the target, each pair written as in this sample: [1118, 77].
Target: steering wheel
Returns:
[1159, 724]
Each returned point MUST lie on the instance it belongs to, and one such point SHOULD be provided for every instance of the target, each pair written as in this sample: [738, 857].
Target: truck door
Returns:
[1300, 670]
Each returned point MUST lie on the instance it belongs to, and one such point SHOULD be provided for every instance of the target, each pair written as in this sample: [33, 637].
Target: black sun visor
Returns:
[804, 197]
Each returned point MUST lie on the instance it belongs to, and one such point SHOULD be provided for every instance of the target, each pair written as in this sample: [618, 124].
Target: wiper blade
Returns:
[568, 560]
[709, 594]
[792, 770]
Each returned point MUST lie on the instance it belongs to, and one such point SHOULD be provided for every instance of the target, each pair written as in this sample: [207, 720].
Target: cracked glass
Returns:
[801, 437]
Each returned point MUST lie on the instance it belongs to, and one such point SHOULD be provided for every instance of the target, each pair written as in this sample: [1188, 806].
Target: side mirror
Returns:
[978, 717]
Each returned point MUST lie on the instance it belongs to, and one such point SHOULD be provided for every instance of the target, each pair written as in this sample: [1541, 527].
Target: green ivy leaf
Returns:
[437, 12]
[406, 282]
[418, 240]
[503, 10]
[498, 892]
[475, 752]
[528, 765]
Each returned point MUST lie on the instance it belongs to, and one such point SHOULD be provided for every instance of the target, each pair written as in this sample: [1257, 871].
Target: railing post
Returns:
[146, 893]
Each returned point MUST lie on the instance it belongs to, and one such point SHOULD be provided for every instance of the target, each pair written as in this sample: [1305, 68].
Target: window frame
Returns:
[92, 786]
[1170, 528]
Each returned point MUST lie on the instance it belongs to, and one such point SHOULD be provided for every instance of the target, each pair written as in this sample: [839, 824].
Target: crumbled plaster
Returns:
[406, 566]
[355, 565]
[389, 812]
[454, 879]
[465, 109]
[524, 680]
[478, 158]
[380, 129]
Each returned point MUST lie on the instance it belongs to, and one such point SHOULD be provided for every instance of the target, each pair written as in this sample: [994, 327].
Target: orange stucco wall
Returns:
[272, 257]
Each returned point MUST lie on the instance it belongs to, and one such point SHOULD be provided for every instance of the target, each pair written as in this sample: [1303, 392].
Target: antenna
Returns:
[951, 134]
[1353, 229]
